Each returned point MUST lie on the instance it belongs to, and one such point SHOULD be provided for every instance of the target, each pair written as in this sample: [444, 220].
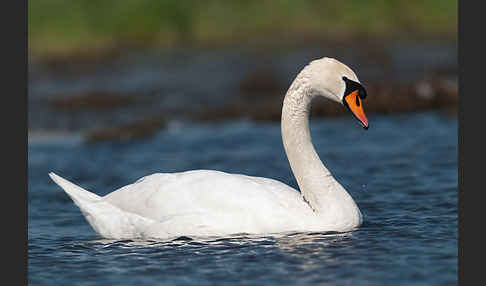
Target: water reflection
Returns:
[302, 250]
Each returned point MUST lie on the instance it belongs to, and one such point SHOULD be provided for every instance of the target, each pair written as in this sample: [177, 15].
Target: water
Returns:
[402, 173]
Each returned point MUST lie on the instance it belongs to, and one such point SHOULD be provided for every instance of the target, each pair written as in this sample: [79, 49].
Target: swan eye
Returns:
[352, 85]
[362, 93]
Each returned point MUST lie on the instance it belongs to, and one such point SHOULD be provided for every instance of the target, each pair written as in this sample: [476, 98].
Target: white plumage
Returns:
[214, 203]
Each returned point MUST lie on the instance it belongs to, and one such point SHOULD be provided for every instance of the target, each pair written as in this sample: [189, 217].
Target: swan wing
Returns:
[207, 202]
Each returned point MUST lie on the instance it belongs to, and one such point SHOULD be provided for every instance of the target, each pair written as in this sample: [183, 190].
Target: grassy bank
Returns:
[58, 27]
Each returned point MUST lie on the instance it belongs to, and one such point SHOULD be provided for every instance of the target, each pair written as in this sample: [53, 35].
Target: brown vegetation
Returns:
[136, 130]
[93, 100]
[383, 98]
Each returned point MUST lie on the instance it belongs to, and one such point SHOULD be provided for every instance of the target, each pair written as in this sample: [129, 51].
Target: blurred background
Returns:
[108, 70]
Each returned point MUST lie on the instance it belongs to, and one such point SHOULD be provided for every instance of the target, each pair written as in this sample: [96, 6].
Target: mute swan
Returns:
[213, 203]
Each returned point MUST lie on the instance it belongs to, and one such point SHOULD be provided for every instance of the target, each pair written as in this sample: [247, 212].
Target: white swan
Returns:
[213, 203]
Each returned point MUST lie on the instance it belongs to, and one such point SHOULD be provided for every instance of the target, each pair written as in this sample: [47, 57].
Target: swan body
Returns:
[214, 203]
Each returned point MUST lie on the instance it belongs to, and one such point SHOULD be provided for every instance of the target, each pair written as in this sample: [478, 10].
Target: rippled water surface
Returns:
[402, 173]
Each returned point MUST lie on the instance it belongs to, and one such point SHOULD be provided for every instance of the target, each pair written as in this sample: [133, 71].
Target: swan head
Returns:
[334, 80]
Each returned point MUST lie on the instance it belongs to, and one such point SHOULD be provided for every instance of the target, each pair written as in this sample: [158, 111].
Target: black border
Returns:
[471, 61]
[14, 143]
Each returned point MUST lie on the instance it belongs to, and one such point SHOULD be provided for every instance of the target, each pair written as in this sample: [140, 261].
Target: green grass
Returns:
[60, 26]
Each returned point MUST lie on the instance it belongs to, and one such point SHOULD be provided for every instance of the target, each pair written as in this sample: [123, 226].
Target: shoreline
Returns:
[258, 44]
[132, 95]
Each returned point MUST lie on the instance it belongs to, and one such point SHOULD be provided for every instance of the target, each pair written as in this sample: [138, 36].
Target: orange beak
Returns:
[355, 104]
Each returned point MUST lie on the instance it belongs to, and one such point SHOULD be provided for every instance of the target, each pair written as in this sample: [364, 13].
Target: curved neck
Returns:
[312, 176]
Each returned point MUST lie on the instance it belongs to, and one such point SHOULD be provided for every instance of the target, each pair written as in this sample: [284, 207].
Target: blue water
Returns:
[402, 173]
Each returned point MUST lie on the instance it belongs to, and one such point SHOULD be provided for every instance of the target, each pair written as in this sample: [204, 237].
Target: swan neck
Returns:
[311, 174]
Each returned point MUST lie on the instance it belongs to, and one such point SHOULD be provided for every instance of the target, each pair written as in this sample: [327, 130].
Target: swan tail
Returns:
[79, 195]
[106, 219]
